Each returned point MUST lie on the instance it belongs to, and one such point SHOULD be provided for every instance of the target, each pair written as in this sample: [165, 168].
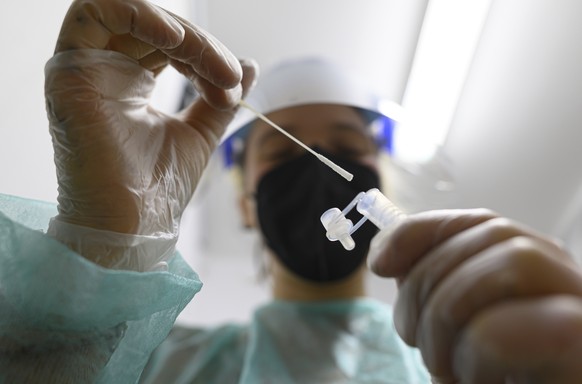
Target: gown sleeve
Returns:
[64, 319]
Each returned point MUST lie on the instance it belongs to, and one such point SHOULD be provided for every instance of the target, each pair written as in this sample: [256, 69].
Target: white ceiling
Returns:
[376, 38]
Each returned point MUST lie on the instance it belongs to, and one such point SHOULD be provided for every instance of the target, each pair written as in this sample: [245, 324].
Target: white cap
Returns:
[304, 81]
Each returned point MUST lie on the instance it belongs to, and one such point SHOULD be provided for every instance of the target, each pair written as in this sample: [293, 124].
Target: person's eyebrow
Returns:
[347, 128]
[273, 134]
[343, 126]
[339, 126]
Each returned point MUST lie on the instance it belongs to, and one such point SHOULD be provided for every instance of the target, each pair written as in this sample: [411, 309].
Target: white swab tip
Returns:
[342, 172]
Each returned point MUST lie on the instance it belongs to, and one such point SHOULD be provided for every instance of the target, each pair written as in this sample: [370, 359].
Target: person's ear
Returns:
[245, 201]
[247, 208]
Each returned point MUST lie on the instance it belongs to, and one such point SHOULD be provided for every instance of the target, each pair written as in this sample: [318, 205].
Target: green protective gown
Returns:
[62, 313]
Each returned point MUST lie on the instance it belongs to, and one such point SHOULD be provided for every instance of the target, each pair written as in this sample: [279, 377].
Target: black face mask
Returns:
[290, 200]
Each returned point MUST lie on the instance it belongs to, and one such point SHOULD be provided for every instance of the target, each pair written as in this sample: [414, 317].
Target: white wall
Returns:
[515, 138]
[28, 32]
[376, 38]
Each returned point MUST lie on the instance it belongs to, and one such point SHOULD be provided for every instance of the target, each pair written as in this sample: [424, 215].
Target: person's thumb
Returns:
[524, 341]
[211, 121]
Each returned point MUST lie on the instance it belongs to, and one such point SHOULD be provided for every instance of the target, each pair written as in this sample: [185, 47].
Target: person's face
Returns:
[336, 129]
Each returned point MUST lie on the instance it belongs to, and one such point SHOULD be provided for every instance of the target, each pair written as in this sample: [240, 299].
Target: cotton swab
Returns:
[342, 172]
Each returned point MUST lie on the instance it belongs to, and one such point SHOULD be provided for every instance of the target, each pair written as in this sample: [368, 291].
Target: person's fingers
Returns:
[130, 46]
[251, 72]
[99, 24]
[417, 286]
[218, 98]
[155, 62]
[528, 341]
[518, 268]
[207, 57]
[92, 23]
[204, 115]
[417, 234]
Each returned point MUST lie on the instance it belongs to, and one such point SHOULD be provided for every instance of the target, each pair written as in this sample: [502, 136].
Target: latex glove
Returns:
[485, 299]
[126, 171]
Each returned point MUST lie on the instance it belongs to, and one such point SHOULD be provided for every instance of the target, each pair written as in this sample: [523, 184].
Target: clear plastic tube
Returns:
[379, 209]
[373, 206]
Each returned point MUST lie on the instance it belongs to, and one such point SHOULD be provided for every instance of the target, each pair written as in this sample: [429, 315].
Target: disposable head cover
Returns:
[305, 81]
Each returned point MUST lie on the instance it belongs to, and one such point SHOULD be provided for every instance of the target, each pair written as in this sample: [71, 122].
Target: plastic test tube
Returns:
[373, 206]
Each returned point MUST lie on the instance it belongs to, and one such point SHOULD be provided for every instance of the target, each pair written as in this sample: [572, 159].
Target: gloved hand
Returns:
[485, 299]
[126, 171]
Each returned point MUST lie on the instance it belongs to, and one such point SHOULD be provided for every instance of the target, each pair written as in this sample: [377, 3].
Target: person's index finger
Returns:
[91, 24]
[418, 234]
[206, 56]
[525, 339]
[144, 21]
[157, 27]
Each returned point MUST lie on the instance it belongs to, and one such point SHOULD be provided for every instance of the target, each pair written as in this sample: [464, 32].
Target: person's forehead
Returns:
[309, 120]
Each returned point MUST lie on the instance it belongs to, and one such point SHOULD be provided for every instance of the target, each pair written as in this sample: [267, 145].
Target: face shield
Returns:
[303, 82]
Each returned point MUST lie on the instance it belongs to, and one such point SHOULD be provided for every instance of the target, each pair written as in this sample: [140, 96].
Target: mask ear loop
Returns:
[261, 260]
[339, 227]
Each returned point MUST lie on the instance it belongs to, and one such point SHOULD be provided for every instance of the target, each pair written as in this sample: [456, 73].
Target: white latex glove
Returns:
[485, 299]
[126, 171]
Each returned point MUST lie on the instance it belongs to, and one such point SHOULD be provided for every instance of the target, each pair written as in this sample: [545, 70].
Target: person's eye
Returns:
[353, 146]
[352, 151]
[279, 154]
